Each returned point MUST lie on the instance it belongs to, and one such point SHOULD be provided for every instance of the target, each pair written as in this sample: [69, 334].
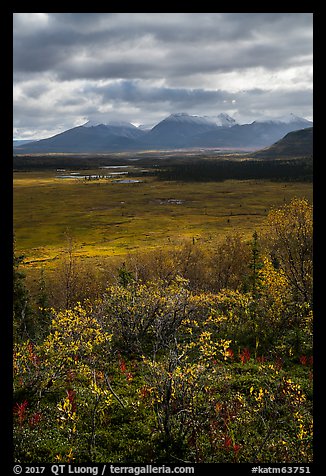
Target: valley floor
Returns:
[108, 218]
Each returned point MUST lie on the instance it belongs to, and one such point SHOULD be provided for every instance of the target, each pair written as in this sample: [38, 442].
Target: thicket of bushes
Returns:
[197, 355]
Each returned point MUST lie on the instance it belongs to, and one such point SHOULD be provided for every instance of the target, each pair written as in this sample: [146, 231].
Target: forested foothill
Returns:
[300, 169]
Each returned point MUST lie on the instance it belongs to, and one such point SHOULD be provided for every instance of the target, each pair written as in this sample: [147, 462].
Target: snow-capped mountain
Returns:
[286, 119]
[113, 129]
[90, 137]
[146, 127]
[93, 123]
[222, 120]
[178, 130]
[184, 117]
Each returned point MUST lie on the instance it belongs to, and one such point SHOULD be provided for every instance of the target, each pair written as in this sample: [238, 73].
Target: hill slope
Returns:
[294, 144]
[87, 138]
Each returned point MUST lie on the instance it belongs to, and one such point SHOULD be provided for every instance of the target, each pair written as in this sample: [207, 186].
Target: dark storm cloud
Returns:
[181, 99]
[136, 93]
[185, 43]
[141, 66]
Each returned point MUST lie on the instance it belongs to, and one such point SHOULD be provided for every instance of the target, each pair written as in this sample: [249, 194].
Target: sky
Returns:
[141, 67]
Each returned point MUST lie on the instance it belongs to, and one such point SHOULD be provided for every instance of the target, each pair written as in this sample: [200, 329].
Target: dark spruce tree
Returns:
[22, 312]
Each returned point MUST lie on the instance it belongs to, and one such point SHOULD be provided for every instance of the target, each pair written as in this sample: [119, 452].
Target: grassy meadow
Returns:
[107, 218]
[129, 348]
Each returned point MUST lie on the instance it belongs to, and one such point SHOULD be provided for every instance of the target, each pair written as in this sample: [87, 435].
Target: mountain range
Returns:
[176, 131]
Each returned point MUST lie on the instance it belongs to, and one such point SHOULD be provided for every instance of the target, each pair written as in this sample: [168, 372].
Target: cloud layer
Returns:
[140, 67]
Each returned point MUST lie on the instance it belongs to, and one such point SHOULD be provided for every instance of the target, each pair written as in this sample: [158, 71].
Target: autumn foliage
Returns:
[163, 369]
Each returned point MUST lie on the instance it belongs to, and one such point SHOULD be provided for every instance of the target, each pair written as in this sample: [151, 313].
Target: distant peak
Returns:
[292, 118]
[189, 118]
[222, 119]
[93, 123]
[180, 114]
[285, 119]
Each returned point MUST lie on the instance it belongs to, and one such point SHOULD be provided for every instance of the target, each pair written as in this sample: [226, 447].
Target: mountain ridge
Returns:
[297, 143]
[178, 130]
